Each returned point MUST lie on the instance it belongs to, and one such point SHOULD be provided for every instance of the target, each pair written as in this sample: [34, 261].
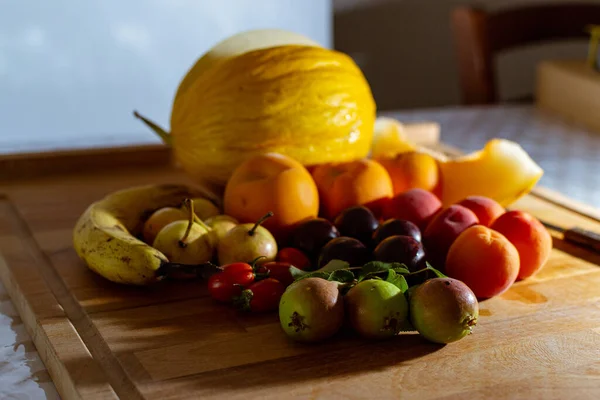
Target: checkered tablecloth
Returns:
[569, 155]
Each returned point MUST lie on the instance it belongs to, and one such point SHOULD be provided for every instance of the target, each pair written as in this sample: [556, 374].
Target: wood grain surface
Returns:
[541, 339]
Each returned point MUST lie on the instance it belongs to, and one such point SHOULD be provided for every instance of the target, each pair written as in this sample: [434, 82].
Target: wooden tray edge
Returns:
[22, 166]
[37, 320]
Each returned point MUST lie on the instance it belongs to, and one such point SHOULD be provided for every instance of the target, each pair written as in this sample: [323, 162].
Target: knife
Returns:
[577, 236]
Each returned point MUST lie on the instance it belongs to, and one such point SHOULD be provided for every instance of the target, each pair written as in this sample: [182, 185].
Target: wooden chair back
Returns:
[479, 35]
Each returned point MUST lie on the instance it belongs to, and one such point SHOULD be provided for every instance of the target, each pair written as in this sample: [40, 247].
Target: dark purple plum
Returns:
[393, 227]
[357, 222]
[402, 249]
[310, 236]
[346, 249]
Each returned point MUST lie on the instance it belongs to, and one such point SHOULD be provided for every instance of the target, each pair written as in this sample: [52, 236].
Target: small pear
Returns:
[186, 242]
[205, 208]
[159, 219]
[221, 224]
[246, 242]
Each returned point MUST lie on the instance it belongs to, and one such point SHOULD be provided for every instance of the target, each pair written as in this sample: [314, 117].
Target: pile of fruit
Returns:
[327, 214]
[297, 240]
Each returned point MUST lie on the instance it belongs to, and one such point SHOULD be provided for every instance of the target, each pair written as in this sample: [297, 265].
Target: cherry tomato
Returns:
[239, 273]
[295, 257]
[263, 295]
[222, 288]
[278, 270]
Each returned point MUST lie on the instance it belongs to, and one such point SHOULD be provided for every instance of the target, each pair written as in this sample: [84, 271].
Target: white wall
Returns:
[71, 72]
[406, 50]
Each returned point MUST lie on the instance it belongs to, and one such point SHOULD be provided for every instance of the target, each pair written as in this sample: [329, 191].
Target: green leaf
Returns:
[315, 274]
[342, 275]
[323, 272]
[297, 272]
[397, 280]
[401, 271]
[435, 271]
[334, 265]
[374, 267]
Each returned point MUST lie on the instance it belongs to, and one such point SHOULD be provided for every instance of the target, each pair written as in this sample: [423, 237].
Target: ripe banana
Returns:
[104, 236]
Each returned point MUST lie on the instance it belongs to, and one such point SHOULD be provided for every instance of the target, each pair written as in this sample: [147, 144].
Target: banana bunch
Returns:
[105, 234]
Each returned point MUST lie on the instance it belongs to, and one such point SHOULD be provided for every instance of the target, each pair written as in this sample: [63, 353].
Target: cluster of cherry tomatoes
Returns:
[255, 286]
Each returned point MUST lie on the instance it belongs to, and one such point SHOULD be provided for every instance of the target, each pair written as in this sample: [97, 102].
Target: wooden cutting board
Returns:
[541, 339]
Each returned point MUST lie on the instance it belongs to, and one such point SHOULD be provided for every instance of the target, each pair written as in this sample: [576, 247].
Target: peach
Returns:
[443, 229]
[531, 239]
[412, 170]
[486, 209]
[343, 185]
[416, 205]
[271, 182]
[484, 260]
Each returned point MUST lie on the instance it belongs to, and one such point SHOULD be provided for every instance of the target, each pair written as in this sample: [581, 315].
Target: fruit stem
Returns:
[166, 137]
[260, 221]
[200, 270]
[190, 206]
[196, 218]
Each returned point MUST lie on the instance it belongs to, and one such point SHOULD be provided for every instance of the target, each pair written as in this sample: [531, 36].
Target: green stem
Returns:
[164, 135]
[190, 205]
[201, 223]
[260, 221]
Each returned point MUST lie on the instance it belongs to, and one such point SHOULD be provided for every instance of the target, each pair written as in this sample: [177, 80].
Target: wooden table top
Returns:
[24, 374]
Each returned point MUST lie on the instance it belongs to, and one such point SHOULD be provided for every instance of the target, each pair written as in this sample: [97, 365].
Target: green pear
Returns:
[246, 242]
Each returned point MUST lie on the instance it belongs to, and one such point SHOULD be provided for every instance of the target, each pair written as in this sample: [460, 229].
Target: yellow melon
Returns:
[302, 100]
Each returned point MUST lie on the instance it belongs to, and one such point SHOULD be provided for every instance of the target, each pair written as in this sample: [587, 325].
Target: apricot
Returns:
[486, 209]
[159, 219]
[412, 170]
[275, 183]
[531, 239]
[484, 260]
[343, 185]
[443, 230]
[415, 205]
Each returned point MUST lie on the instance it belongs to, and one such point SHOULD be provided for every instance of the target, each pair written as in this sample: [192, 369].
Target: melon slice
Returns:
[389, 139]
[502, 170]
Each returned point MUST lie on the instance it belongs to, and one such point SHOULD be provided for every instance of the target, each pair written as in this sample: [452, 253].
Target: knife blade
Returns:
[577, 236]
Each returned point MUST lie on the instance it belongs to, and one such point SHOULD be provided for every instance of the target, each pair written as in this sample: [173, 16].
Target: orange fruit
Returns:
[484, 260]
[412, 170]
[271, 182]
[361, 182]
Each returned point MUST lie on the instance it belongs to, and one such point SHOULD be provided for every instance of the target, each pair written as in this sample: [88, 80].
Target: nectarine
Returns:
[484, 260]
[486, 209]
[443, 229]
[416, 205]
[529, 236]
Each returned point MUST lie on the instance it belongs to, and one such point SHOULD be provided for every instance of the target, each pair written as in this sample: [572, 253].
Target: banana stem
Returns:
[260, 221]
[164, 135]
[200, 270]
[190, 205]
